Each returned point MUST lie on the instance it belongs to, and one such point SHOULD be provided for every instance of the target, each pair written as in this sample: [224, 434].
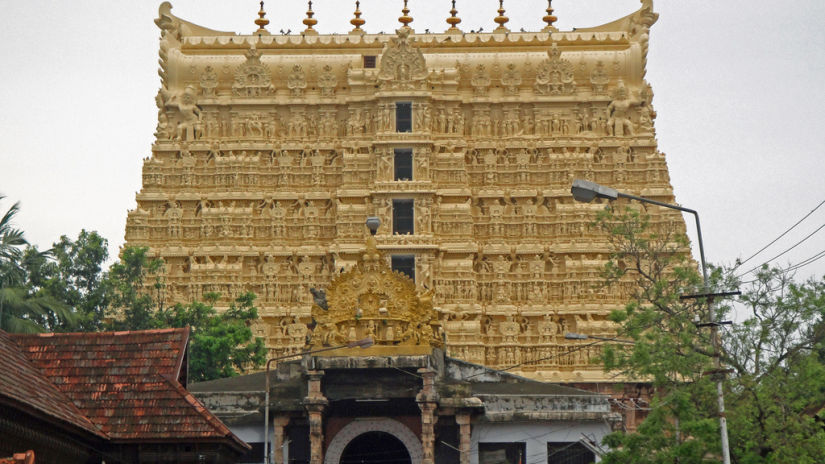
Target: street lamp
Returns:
[363, 343]
[585, 192]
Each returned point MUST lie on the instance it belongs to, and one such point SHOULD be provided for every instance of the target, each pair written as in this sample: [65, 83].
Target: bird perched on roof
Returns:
[320, 298]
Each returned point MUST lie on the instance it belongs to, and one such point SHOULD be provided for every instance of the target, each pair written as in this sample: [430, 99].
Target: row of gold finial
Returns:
[310, 21]
[549, 18]
[501, 20]
[261, 22]
[357, 21]
[406, 19]
[453, 20]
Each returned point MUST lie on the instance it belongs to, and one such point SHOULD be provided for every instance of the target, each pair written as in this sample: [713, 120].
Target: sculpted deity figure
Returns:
[385, 165]
[297, 81]
[208, 81]
[422, 164]
[511, 79]
[646, 115]
[189, 124]
[555, 75]
[619, 123]
[422, 216]
[402, 63]
[480, 81]
[599, 78]
[327, 82]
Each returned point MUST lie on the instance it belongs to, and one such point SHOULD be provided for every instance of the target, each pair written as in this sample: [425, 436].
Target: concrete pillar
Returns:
[464, 436]
[427, 400]
[279, 423]
[315, 403]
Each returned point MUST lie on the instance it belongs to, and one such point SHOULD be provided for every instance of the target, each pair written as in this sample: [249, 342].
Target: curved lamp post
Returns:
[585, 192]
[363, 343]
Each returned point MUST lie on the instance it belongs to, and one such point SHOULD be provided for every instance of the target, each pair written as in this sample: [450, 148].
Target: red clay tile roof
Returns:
[126, 382]
[19, 458]
[24, 385]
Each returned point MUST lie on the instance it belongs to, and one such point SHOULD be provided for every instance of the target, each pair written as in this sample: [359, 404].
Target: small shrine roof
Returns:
[22, 383]
[126, 383]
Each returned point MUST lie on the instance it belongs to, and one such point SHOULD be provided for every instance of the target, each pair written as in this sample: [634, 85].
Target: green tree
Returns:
[131, 306]
[72, 274]
[777, 381]
[12, 243]
[20, 309]
[221, 342]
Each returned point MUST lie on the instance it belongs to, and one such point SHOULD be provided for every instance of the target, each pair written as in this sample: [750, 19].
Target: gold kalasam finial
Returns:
[549, 18]
[357, 21]
[310, 21]
[453, 20]
[501, 20]
[261, 21]
[406, 19]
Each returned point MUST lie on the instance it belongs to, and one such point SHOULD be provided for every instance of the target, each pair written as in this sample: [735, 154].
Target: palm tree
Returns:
[19, 310]
[12, 242]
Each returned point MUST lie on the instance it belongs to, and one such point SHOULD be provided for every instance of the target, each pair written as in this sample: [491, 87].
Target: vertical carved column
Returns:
[278, 439]
[463, 420]
[427, 401]
[315, 403]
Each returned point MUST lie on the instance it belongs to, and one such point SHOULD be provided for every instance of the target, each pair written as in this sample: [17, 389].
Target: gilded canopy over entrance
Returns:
[372, 300]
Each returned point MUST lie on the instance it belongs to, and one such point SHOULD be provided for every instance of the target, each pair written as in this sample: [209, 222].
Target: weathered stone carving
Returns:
[619, 123]
[252, 79]
[511, 80]
[297, 81]
[370, 300]
[209, 81]
[327, 82]
[481, 81]
[189, 115]
[402, 64]
[599, 79]
[555, 75]
[267, 191]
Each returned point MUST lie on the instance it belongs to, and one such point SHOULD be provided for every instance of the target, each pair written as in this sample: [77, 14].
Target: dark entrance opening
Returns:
[375, 447]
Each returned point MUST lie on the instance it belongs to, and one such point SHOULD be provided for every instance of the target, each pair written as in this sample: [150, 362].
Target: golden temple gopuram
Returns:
[271, 152]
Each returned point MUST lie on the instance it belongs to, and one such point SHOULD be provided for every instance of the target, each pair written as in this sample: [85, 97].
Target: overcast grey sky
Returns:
[739, 88]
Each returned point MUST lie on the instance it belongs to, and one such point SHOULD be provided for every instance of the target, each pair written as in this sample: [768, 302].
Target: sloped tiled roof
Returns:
[126, 382]
[23, 384]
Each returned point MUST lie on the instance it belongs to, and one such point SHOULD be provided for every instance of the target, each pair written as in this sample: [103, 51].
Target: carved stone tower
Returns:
[272, 150]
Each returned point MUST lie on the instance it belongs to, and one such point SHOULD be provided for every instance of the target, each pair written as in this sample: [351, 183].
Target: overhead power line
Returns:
[780, 236]
[783, 253]
[796, 266]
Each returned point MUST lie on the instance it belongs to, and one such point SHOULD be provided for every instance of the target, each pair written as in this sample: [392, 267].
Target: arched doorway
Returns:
[375, 447]
[368, 426]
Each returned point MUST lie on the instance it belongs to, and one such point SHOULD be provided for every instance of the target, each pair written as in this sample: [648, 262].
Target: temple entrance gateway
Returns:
[375, 447]
[362, 439]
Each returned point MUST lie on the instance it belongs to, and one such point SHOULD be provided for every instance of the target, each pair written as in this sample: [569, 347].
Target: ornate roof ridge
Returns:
[432, 40]
[188, 30]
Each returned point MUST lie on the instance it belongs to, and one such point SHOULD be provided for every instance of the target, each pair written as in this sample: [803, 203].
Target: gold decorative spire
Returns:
[406, 19]
[549, 18]
[453, 20]
[310, 21]
[261, 21]
[501, 20]
[357, 21]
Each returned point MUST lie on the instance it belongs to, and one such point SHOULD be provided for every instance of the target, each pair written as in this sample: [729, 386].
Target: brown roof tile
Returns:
[126, 382]
[21, 382]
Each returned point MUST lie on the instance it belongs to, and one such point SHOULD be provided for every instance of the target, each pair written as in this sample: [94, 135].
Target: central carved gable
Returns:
[555, 75]
[371, 300]
[402, 64]
[252, 78]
